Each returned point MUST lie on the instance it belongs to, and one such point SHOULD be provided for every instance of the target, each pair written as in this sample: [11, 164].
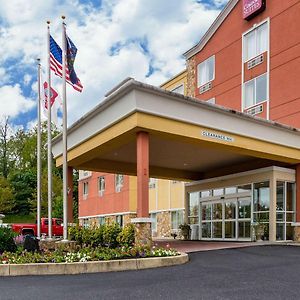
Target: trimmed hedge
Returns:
[111, 236]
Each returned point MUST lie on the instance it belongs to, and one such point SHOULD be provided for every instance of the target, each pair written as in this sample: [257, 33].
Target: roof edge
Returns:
[211, 30]
[133, 84]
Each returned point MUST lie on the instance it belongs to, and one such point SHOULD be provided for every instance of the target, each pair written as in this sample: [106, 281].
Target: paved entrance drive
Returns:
[195, 246]
[264, 273]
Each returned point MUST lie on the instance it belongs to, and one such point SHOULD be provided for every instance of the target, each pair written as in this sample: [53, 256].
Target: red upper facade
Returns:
[251, 66]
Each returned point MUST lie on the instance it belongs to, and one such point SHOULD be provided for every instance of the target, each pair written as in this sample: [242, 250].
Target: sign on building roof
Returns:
[251, 8]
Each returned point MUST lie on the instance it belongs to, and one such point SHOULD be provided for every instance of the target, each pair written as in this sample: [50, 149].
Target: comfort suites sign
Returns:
[253, 7]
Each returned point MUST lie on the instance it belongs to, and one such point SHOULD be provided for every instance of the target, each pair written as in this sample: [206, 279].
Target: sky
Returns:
[115, 39]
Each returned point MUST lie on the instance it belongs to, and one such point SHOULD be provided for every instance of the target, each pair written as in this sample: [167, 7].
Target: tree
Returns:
[7, 202]
[4, 147]
[23, 183]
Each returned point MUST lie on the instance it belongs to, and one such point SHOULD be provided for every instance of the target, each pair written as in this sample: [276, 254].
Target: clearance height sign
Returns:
[251, 8]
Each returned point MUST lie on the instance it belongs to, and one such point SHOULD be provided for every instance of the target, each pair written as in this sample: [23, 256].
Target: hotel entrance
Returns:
[251, 206]
[225, 214]
[226, 219]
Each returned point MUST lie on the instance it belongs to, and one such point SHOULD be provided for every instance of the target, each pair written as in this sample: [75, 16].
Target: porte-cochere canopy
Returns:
[189, 139]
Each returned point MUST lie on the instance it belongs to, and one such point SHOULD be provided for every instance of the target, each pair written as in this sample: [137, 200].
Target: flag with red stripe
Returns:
[56, 65]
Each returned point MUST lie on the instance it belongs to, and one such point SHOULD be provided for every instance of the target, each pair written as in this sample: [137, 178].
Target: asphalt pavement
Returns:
[265, 272]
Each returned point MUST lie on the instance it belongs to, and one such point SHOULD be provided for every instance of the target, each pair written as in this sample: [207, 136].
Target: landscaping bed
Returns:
[104, 243]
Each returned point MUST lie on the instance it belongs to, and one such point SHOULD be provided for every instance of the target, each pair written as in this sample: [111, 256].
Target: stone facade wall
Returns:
[297, 233]
[163, 224]
[143, 234]
[110, 219]
[127, 218]
[191, 77]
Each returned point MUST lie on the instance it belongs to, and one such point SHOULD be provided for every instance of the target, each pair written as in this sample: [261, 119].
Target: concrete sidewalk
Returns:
[195, 246]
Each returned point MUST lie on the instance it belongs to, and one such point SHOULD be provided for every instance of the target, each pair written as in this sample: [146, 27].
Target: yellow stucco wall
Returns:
[176, 81]
[132, 193]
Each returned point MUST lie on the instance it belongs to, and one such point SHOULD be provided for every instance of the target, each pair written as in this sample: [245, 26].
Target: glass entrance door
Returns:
[227, 219]
[230, 219]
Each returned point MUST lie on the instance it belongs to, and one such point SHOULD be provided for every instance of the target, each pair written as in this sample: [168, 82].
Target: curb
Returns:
[92, 266]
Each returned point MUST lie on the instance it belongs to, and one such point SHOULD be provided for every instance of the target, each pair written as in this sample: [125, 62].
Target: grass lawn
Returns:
[19, 219]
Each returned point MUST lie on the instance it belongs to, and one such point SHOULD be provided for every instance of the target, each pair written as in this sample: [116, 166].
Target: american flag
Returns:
[56, 65]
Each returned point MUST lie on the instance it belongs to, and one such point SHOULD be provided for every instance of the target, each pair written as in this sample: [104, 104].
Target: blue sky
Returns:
[115, 39]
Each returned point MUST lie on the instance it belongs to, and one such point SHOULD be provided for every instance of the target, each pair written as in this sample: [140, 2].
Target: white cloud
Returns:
[27, 78]
[13, 102]
[4, 76]
[167, 29]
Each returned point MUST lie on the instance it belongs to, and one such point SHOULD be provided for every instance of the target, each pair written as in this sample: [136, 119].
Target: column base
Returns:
[297, 233]
[143, 234]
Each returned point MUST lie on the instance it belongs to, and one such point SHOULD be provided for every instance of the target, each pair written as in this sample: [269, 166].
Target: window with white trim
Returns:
[206, 71]
[176, 219]
[153, 217]
[255, 91]
[85, 189]
[179, 89]
[256, 42]
[101, 185]
[119, 182]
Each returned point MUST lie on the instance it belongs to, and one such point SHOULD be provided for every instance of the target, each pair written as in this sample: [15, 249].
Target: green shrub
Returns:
[83, 255]
[110, 234]
[104, 235]
[7, 240]
[126, 236]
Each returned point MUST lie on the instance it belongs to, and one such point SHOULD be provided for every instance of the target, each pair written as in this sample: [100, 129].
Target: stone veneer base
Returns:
[92, 266]
[297, 233]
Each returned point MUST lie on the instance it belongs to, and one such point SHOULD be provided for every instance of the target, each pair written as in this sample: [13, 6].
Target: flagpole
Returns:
[65, 160]
[39, 169]
[49, 140]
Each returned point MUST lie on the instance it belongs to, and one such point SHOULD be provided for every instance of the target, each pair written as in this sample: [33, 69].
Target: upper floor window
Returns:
[119, 182]
[179, 89]
[206, 71]
[256, 42]
[85, 189]
[101, 185]
[255, 90]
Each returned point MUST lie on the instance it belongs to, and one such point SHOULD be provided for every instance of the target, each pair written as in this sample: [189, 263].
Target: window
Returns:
[153, 218]
[101, 220]
[261, 205]
[85, 189]
[179, 89]
[255, 91]
[176, 218]
[119, 220]
[152, 183]
[193, 212]
[119, 181]
[206, 71]
[285, 210]
[86, 223]
[101, 185]
[256, 42]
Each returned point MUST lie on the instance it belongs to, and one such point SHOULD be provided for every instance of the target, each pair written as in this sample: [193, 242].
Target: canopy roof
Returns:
[189, 139]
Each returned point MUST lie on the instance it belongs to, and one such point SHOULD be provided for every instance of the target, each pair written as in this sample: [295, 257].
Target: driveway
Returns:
[265, 272]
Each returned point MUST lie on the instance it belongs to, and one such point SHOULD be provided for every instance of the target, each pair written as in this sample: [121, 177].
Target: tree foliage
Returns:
[7, 201]
[18, 175]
